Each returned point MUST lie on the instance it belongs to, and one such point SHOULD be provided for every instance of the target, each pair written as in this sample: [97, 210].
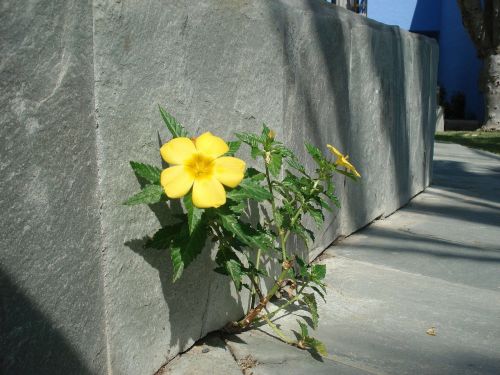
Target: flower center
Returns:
[200, 166]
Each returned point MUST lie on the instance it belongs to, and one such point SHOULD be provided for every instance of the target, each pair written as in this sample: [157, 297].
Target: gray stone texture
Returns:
[51, 314]
[80, 84]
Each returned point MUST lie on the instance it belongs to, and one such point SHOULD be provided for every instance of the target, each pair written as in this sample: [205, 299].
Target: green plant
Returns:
[283, 188]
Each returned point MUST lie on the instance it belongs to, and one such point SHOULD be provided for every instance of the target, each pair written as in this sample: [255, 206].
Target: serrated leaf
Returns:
[318, 272]
[304, 331]
[249, 189]
[318, 291]
[162, 239]
[255, 151]
[275, 164]
[185, 249]
[237, 206]
[229, 264]
[254, 174]
[150, 194]
[265, 131]
[177, 262]
[249, 138]
[233, 267]
[173, 126]
[316, 345]
[302, 266]
[311, 303]
[314, 152]
[323, 204]
[304, 233]
[295, 164]
[317, 215]
[194, 213]
[245, 233]
[149, 172]
[234, 146]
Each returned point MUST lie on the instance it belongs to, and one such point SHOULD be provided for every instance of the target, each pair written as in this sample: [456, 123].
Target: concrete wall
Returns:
[311, 71]
[51, 293]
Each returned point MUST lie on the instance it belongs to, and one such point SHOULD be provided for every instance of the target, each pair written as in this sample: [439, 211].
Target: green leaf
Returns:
[149, 172]
[249, 189]
[177, 262]
[174, 127]
[149, 195]
[275, 164]
[317, 215]
[304, 331]
[254, 174]
[194, 213]
[236, 206]
[317, 290]
[318, 272]
[162, 239]
[230, 264]
[234, 146]
[304, 233]
[185, 249]
[322, 203]
[311, 303]
[315, 153]
[302, 266]
[233, 267]
[255, 151]
[316, 345]
[250, 139]
[295, 164]
[245, 233]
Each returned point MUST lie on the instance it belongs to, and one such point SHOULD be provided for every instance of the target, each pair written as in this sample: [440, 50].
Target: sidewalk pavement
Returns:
[433, 265]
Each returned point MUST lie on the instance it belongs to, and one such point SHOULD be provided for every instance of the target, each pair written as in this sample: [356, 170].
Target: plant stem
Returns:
[256, 280]
[253, 313]
[284, 306]
[299, 211]
[278, 331]
[273, 208]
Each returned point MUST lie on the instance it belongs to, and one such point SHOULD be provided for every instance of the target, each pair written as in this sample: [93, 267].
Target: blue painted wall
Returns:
[458, 65]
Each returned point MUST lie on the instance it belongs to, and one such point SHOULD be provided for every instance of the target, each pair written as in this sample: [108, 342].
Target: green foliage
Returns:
[194, 213]
[234, 146]
[148, 172]
[309, 342]
[185, 248]
[229, 264]
[173, 126]
[148, 195]
[285, 192]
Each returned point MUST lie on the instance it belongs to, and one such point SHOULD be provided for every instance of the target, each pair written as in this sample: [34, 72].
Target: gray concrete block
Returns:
[51, 292]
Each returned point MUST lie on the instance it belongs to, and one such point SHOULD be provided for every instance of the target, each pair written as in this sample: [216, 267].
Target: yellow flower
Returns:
[342, 160]
[198, 163]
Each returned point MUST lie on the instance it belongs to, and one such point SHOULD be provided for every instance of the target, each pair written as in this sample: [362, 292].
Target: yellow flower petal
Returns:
[210, 145]
[176, 181]
[334, 151]
[208, 192]
[177, 150]
[229, 170]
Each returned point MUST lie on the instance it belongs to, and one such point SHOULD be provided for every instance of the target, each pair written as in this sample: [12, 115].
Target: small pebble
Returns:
[206, 350]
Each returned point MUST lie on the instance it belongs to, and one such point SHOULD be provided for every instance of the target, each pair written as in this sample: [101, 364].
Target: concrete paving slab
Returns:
[209, 356]
[432, 265]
